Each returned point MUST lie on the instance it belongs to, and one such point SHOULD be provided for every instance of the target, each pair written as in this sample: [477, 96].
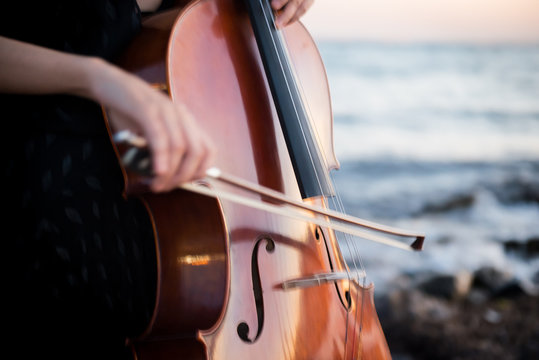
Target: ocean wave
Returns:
[395, 189]
[365, 142]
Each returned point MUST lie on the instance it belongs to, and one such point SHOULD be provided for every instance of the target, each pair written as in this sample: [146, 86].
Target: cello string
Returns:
[355, 257]
[353, 251]
[348, 240]
[358, 317]
[282, 64]
[336, 200]
[339, 201]
[291, 67]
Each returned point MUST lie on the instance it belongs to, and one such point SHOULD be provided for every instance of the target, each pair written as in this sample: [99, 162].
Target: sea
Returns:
[441, 139]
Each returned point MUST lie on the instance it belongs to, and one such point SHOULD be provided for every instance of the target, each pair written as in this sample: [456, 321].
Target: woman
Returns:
[82, 265]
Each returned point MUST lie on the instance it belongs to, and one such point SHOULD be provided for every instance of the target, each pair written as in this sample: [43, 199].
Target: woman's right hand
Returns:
[180, 150]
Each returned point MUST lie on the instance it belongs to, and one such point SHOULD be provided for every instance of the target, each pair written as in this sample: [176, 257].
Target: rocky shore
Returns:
[482, 315]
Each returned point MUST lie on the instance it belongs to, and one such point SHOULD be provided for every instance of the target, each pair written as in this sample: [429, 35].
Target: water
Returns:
[443, 139]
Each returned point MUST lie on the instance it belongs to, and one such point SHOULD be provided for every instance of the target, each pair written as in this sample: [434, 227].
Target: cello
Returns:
[237, 277]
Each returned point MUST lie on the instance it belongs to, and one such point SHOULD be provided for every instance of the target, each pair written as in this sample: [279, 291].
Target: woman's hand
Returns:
[180, 150]
[289, 11]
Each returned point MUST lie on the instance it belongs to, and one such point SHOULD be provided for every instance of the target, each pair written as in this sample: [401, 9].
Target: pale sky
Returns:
[470, 21]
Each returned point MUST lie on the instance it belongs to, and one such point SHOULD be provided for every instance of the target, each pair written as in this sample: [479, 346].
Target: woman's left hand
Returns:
[289, 11]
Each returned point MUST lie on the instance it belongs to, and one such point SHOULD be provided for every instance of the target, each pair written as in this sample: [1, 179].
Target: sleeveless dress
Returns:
[81, 259]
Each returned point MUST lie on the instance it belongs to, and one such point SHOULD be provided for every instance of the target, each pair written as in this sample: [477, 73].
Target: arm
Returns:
[180, 150]
[21, 72]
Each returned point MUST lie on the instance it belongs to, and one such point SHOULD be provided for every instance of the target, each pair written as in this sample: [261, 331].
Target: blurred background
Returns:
[436, 126]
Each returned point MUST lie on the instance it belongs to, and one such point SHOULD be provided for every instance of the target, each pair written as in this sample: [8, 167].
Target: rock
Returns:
[491, 279]
[423, 307]
[512, 288]
[451, 286]
[492, 316]
[532, 247]
[478, 296]
[439, 286]
[460, 201]
[415, 304]
[527, 249]
[517, 190]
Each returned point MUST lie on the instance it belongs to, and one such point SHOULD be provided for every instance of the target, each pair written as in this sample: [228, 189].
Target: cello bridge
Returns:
[320, 279]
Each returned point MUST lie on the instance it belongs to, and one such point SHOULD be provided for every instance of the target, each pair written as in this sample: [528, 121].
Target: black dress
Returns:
[81, 259]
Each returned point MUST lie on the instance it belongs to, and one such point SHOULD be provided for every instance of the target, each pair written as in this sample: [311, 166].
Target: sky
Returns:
[460, 21]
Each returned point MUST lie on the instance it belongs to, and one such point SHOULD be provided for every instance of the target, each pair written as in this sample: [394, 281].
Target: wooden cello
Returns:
[235, 282]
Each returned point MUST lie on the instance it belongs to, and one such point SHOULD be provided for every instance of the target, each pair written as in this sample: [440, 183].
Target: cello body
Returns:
[222, 266]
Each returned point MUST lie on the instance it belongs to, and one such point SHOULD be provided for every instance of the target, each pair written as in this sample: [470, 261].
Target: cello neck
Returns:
[311, 174]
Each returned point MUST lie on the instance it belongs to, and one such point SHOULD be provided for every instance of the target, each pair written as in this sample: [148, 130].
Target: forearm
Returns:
[29, 69]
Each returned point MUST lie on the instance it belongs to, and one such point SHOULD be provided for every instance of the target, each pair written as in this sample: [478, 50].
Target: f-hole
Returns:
[243, 327]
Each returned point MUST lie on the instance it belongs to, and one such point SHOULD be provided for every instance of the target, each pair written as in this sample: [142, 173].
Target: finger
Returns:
[208, 159]
[197, 149]
[173, 120]
[278, 4]
[302, 9]
[286, 14]
[158, 146]
[188, 168]
[159, 151]
[195, 154]
[172, 117]
[155, 131]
